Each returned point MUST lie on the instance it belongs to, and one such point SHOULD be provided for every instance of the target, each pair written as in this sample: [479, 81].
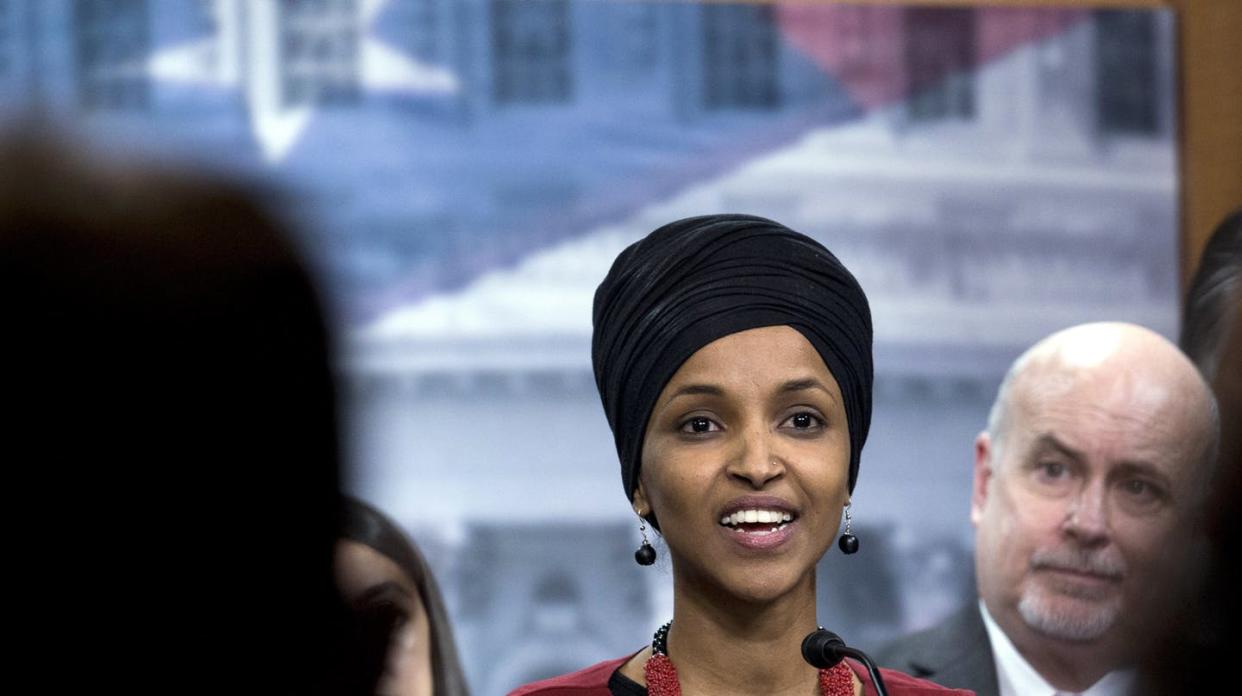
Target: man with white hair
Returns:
[1087, 486]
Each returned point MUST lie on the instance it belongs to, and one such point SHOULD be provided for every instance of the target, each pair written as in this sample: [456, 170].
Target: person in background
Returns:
[171, 447]
[733, 359]
[381, 573]
[1213, 295]
[1194, 655]
[1088, 484]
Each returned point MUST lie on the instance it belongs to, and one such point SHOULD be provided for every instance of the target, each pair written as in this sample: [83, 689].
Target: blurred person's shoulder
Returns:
[956, 651]
[902, 684]
[592, 681]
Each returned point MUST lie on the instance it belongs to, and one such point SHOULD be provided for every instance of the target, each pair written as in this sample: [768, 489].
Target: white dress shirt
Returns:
[1018, 678]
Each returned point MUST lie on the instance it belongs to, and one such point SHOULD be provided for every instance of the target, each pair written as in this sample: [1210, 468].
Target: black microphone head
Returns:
[822, 649]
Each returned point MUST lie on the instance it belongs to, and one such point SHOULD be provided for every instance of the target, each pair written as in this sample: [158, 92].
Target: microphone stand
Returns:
[823, 649]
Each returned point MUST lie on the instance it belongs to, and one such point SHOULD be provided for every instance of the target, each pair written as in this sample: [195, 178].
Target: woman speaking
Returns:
[733, 358]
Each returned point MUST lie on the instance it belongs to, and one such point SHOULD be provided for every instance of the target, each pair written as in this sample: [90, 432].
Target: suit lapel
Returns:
[960, 655]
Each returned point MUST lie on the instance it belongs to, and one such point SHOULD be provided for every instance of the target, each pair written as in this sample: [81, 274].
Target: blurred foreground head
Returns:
[174, 446]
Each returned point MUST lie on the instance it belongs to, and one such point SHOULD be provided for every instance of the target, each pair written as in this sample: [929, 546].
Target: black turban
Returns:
[699, 279]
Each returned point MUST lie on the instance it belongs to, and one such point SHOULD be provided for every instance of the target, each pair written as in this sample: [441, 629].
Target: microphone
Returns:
[823, 649]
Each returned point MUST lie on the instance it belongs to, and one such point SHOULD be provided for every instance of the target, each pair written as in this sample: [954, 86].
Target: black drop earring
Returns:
[848, 542]
[646, 554]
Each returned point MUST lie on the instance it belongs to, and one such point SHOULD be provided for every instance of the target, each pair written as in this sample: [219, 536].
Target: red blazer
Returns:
[593, 681]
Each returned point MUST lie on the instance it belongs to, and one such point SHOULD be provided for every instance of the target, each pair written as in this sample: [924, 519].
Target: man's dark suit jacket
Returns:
[955, 653]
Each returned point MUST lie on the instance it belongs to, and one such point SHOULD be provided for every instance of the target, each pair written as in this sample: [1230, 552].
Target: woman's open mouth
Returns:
[758, 527]
[757, 521]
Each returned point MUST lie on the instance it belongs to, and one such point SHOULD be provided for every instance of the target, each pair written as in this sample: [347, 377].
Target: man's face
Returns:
[1082, 507]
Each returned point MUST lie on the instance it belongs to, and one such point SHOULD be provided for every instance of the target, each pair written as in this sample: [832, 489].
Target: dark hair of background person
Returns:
[1208, 311]
[172, 455]
[1198, 652]
[366, 525]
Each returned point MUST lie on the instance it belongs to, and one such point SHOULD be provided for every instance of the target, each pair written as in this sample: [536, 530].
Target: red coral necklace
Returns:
[661, 673]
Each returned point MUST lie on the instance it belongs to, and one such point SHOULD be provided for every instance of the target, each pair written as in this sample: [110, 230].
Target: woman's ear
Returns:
[642, 506]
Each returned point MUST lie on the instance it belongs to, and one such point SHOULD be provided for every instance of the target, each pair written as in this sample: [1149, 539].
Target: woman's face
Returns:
[746, 464]
[373, 583]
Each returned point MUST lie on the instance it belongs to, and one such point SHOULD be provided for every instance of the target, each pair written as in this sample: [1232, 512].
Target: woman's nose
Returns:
[756, 461]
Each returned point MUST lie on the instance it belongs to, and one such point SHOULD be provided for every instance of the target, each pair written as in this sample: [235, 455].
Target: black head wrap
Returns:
[696, 280]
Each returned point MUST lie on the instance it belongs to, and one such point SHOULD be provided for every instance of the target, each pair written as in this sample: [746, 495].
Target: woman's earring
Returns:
[646, 554]
[848, 542]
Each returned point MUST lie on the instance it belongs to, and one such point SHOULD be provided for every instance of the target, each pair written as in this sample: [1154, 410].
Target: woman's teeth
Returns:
[777, 517]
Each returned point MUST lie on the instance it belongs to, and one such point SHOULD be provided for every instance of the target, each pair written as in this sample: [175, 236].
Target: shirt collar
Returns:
[1016, 676]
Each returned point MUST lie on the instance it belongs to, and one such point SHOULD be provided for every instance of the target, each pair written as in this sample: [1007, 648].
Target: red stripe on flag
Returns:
[881, 54]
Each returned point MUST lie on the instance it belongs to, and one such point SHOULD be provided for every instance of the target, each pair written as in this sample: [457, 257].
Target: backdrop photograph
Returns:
[462, 173]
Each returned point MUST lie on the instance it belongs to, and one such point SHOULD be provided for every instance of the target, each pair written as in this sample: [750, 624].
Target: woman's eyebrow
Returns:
[693, 389]
[804, 384]
[386, 587]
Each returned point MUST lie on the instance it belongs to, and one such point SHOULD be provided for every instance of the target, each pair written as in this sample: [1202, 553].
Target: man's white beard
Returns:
[1066, 618]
